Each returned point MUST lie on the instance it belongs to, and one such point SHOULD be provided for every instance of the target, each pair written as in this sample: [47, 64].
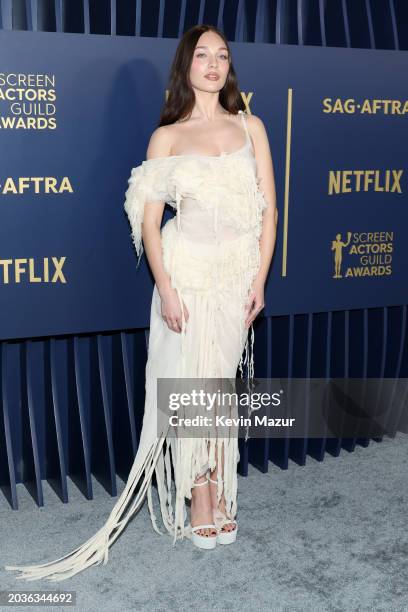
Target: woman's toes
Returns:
[206, 533]
[228, 527]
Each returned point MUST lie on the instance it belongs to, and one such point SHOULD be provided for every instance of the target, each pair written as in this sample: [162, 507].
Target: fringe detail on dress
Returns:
[190, 457]
[193, 456]
[95, 550]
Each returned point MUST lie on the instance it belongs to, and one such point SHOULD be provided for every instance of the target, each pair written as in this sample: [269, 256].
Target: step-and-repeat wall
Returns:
[76, 114]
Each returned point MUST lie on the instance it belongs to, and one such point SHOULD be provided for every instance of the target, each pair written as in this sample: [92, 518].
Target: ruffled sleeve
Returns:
[148, 183]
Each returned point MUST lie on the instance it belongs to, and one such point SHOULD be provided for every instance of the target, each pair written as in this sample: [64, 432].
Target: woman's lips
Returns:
[212, 77]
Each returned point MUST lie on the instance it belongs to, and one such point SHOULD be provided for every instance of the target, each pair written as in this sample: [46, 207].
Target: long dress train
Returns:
[211, 253]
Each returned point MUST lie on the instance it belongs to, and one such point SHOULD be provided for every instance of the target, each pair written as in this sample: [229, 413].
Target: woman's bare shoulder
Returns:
[160, 143]
[257, 130]
[255, 122]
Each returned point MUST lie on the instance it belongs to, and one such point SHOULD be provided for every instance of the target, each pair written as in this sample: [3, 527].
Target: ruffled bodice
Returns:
[216, 198]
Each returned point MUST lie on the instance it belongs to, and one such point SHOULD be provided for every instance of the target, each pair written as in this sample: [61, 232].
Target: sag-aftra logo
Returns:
[35, 184]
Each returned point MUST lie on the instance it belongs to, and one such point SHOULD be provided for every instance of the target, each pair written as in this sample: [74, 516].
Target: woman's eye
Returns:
[223, 55]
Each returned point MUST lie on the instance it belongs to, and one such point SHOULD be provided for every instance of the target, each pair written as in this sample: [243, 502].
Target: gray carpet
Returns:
[326, 536]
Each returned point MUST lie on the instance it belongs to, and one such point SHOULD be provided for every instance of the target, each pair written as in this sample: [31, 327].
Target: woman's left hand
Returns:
[255, 303]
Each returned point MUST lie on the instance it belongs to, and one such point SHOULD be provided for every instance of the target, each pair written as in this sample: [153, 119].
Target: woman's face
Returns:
[210, 64]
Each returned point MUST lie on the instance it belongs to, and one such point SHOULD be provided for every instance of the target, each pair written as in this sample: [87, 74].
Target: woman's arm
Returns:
[270, 214]
[160, 146]
[153, 213]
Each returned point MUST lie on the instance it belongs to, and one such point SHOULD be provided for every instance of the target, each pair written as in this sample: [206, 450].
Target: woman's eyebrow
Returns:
[205, 47]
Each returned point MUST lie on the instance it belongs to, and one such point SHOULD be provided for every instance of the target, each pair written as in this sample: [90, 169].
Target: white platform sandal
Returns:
[220, 519]
[202, 541]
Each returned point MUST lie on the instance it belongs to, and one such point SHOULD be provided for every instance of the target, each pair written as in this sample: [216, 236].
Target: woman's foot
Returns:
[201, 510]
[221, 505]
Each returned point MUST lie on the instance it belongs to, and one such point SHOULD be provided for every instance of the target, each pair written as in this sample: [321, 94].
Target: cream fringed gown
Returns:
[211, 252]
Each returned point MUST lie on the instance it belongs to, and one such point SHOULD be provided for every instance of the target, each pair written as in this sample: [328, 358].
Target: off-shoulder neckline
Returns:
[221, 155]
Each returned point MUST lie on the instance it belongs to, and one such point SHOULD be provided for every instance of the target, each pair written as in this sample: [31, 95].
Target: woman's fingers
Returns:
[255, 310]
[175, 324]
[250, 301]
[171, 312]
[178, 321]
[186, 313]
[250, 308]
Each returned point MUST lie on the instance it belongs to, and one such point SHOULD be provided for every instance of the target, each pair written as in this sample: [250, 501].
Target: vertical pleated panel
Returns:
[401, 22]
[265, 22]
[382, 24]
[54, 459]
[8, 453]
[6, 14]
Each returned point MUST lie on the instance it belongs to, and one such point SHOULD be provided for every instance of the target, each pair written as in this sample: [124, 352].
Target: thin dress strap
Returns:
[248, 138]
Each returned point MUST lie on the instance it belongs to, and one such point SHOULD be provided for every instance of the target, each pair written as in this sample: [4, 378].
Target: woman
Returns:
[212, 162]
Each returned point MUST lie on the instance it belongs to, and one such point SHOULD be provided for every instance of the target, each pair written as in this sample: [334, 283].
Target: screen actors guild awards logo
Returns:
[369, 254]
[337, 246]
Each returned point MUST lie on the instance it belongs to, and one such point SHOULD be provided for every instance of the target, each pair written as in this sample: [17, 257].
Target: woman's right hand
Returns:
[171, 310]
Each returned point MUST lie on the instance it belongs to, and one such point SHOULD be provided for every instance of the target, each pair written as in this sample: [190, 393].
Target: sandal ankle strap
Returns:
[200, 484]
[214, 481]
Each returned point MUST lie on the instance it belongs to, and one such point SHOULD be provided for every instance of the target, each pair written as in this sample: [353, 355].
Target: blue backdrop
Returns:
[75, 120]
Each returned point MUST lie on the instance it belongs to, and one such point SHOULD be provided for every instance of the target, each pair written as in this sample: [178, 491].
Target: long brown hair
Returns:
[181, 97]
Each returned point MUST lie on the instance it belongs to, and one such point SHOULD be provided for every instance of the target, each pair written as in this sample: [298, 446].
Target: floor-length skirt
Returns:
[212, 344]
